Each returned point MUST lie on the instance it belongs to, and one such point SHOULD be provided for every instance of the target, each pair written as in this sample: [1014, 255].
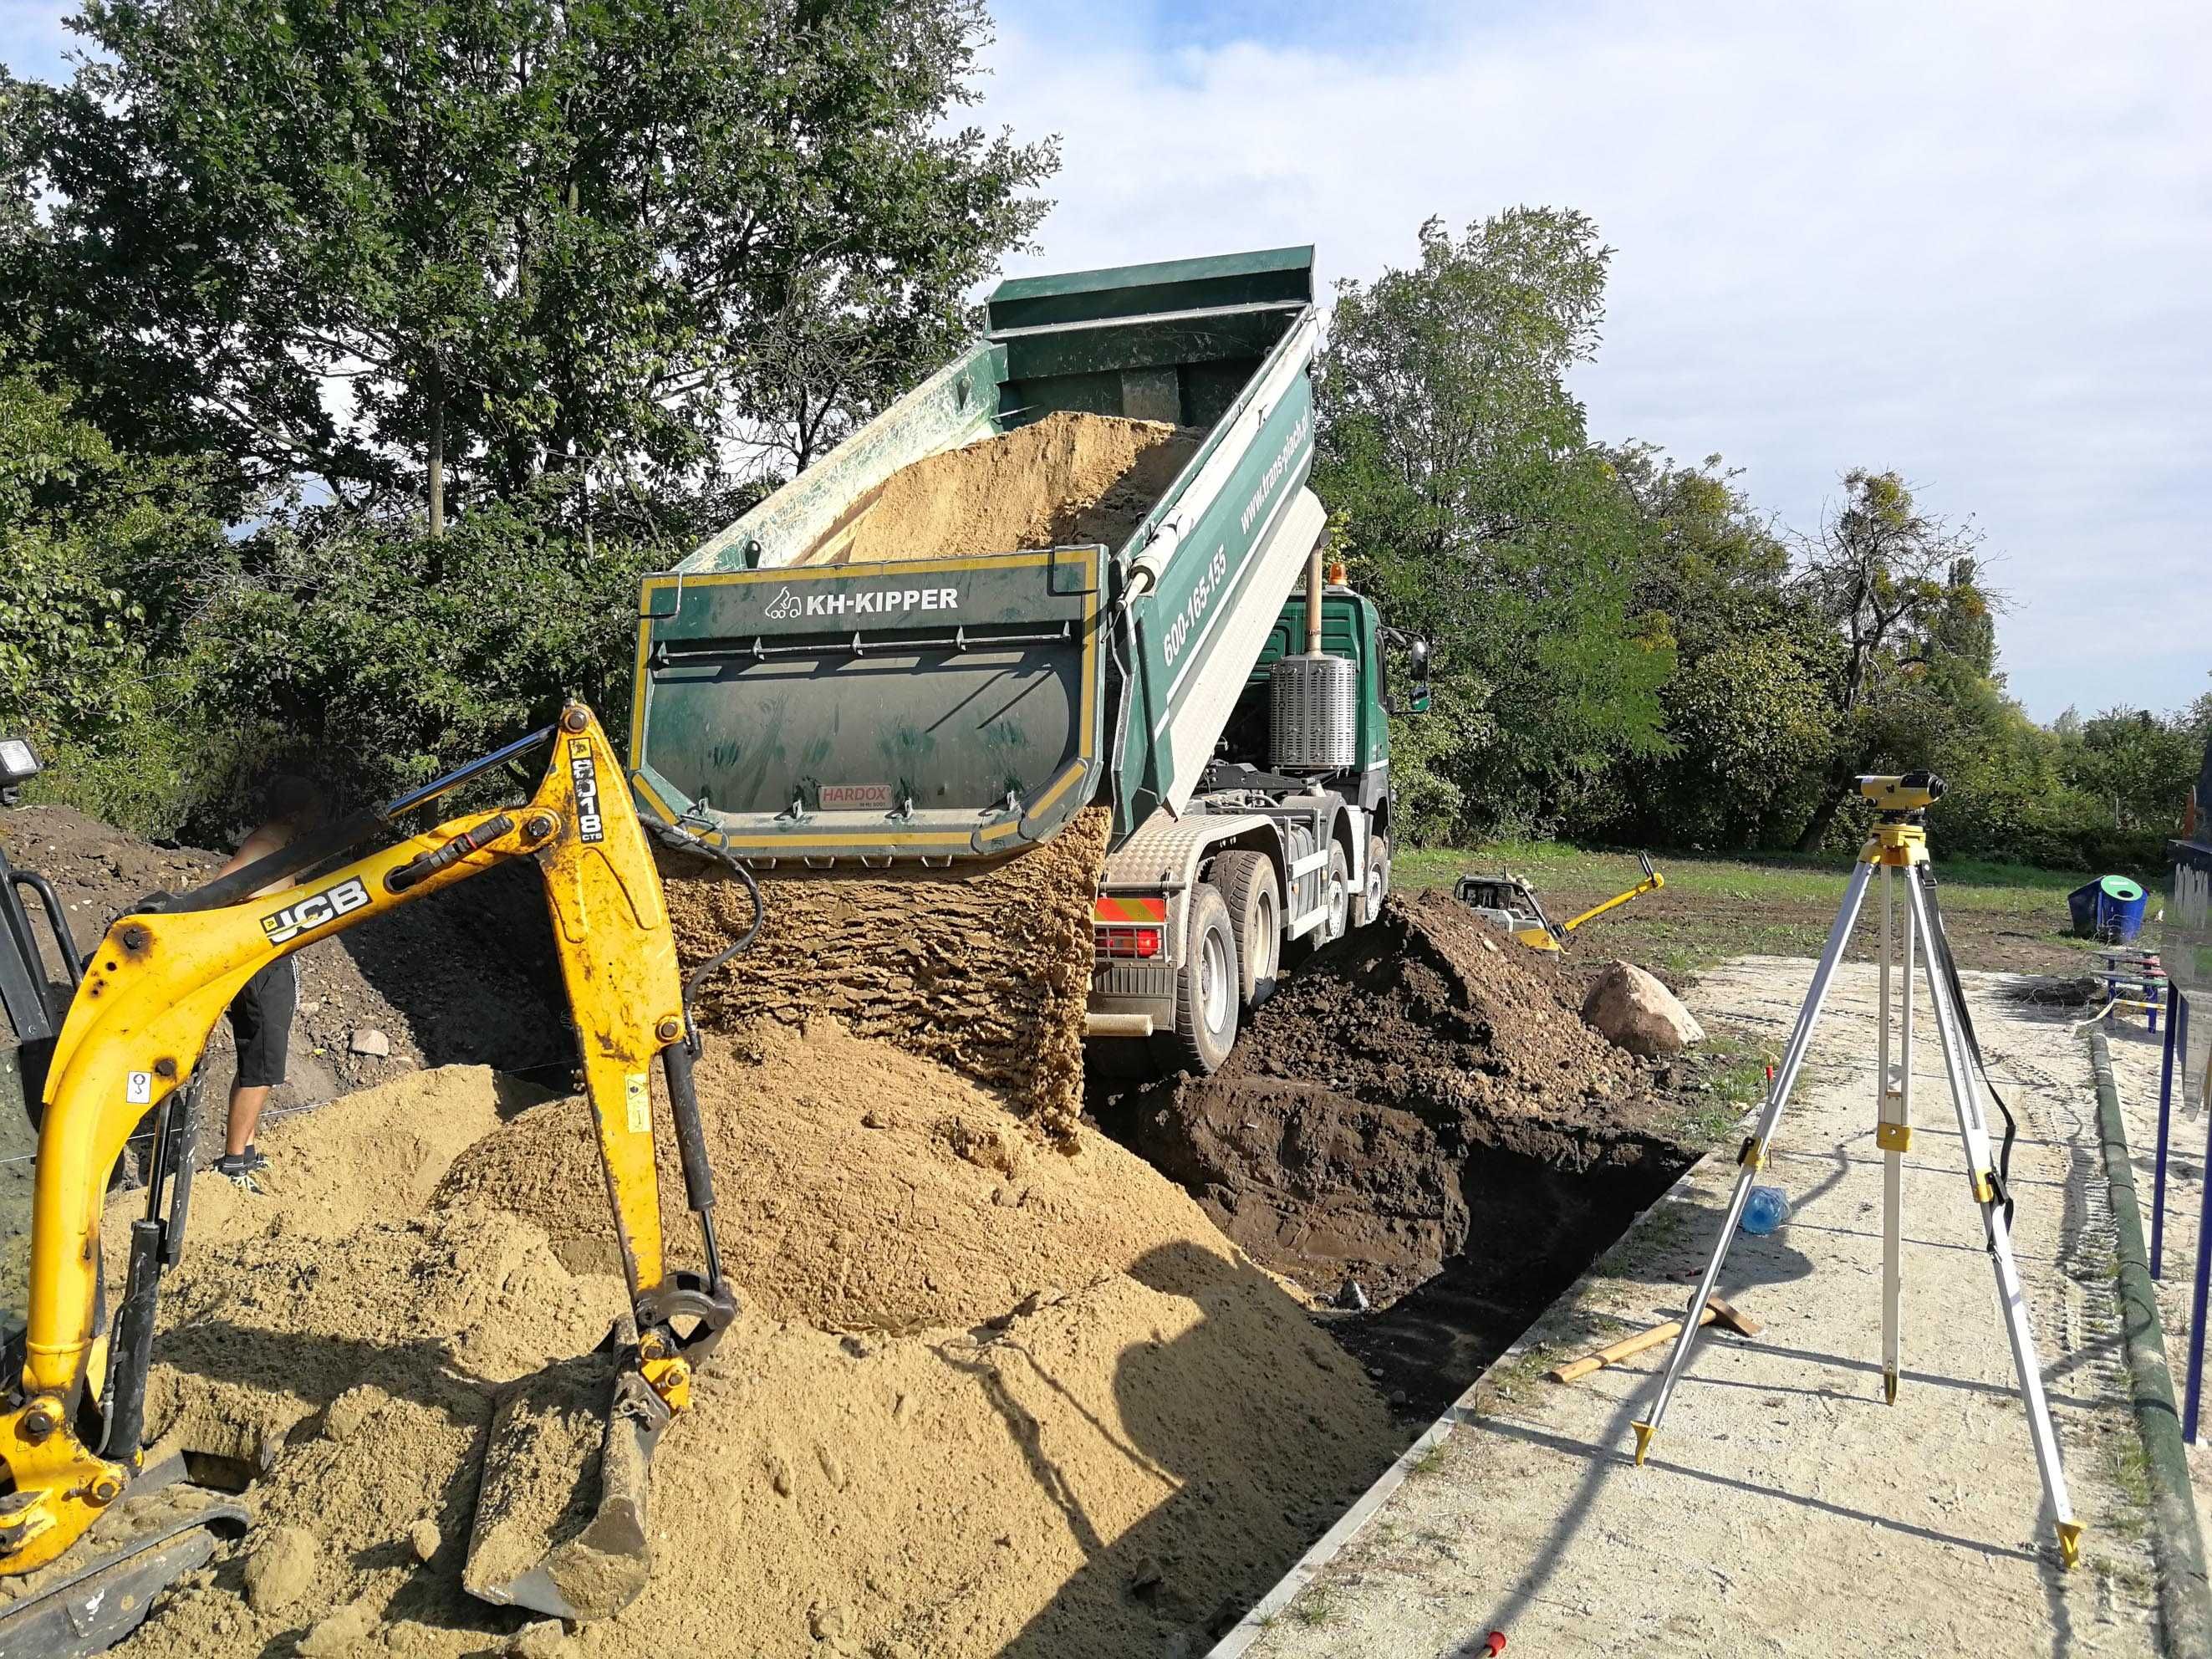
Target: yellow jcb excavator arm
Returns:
[70, 1433]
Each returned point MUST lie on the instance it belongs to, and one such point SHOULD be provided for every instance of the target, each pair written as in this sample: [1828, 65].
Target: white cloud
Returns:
[1968, 242]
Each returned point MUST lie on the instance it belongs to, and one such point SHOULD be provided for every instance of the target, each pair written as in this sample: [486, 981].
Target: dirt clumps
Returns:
[984, 1397]
[987, 970]
[281, 1568]
[1067, 479]
[1335, 1141]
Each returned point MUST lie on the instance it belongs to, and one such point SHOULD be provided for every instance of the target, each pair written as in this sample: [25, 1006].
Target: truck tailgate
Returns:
[953, 707]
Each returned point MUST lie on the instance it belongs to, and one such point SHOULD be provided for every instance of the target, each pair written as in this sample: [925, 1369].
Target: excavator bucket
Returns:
[561, 1522]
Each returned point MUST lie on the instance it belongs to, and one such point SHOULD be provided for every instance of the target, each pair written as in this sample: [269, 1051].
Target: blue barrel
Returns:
[2119, 910]
[2110, 909]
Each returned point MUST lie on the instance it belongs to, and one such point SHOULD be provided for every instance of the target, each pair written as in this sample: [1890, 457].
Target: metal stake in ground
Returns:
[1899, 842]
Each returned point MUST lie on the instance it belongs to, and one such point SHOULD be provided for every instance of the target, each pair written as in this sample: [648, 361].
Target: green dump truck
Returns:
[1201, 678]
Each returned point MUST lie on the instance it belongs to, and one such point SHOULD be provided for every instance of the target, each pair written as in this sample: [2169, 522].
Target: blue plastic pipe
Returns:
[2204, 1265]
[2165, 1122]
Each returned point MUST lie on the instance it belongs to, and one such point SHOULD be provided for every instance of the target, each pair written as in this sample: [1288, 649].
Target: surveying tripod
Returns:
[1900, 844]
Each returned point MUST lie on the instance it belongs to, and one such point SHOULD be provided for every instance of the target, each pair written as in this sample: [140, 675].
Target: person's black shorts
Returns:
[261, 1019]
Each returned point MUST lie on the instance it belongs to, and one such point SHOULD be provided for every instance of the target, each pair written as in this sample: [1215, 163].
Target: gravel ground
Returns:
[1785, 1509]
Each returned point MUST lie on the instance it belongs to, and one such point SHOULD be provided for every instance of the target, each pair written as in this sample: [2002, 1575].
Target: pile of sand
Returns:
[985, 968]
[1065, 480]
[984, 1397]
[1332, 1142]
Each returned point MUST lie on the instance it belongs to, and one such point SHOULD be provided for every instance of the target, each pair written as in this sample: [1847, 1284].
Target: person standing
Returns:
[261, 1014]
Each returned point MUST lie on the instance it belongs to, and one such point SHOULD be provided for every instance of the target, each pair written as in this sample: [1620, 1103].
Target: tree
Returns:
[1473, 501]
[1709, 561]
[1901, 589]
[98, 554]
[522, 236]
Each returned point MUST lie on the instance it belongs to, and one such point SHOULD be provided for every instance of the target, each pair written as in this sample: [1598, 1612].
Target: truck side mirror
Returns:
[1417, 701]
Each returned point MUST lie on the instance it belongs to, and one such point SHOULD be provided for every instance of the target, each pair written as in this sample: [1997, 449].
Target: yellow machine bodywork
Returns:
[135, 1032]
[1511, 904]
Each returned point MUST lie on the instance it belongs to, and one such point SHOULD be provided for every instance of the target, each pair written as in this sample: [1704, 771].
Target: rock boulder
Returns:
[1633, 1010]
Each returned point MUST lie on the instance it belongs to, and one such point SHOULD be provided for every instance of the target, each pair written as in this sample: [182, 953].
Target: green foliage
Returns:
[97, 551]
[386, 655]
[1478, 511]
[1901, 588]
[595, 237]
[1744, 717]
[588, 274]
[1428, 753]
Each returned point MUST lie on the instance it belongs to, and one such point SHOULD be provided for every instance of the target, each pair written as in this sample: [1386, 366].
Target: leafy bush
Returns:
[95, 552]
[387, 656]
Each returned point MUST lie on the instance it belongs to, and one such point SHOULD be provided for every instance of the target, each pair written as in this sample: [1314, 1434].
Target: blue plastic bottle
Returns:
[1767, 1208]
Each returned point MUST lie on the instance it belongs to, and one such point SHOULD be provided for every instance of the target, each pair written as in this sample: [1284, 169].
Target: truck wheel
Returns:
[1247, 881]
[1376, 886]
[1206, 989]
[1339, 893]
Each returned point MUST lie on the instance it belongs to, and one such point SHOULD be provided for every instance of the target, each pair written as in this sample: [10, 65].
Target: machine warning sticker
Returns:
[639, 1100]
[315, 909]
[138, 1089]
[856, 797]
[590, 826]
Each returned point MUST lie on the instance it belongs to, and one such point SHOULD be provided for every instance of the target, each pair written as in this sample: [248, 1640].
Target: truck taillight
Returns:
[1128, 924]
[1127, 941]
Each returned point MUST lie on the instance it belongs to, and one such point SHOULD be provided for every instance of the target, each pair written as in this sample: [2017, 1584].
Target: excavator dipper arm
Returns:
[134, 1036]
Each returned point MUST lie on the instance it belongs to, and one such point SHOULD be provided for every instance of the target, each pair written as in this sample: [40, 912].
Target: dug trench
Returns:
[1419, 1132]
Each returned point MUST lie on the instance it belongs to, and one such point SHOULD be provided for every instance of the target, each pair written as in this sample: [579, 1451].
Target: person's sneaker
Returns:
[254, 1160]
[237, 1169]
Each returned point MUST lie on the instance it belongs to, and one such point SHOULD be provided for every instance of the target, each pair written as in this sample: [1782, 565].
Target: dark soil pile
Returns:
[1336, 1140]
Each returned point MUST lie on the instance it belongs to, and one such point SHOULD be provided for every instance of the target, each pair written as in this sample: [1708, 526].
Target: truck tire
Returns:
[1340, 895]
[1375, 887]
[1206, 989]
[1339, 889]
[1247, 884]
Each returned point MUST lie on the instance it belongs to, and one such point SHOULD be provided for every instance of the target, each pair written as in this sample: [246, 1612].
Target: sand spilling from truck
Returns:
[983, 1398]
[984, 968]
[1335, 1142]
[1067, 480]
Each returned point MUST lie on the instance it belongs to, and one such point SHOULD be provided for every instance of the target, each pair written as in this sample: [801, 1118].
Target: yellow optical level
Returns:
[1905, 794]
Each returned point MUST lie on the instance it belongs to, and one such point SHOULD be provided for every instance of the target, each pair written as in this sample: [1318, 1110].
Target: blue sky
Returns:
[1966, 241]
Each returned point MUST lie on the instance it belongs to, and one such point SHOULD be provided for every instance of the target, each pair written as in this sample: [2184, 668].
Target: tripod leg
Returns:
[2012, 1296]
[1754, 1150]
[1893, 1135]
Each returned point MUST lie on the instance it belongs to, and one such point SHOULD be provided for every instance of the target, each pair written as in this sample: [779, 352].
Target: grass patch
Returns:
[2129, 1465]
[1315, 1608]
[1733, 1069]
[1713, 908]
[1512, 1380]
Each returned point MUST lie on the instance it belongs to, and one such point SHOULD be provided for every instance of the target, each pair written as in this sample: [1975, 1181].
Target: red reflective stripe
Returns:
[1112, 908]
